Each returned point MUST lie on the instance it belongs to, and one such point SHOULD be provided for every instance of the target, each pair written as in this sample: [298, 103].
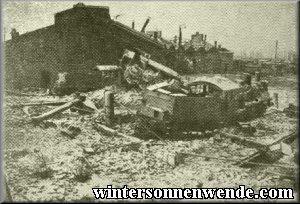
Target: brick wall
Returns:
[81, 38]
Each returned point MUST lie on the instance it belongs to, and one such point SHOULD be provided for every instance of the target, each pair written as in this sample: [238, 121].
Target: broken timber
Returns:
[109, 131]
[248, 159]
[20, 93]
[82, 110]
[41, 104]
[161, 67]
[56, 110]
[246, 142]
[287, 139]
[262, 148]
[235, 161]
[109, 107]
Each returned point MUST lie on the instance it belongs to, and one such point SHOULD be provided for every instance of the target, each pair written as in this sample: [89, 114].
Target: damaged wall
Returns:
[81, 38]
[207, 58]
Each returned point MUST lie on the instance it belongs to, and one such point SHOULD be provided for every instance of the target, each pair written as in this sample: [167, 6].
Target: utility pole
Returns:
[180, 37]
[276, 47]
[180, 34]
[276, 51]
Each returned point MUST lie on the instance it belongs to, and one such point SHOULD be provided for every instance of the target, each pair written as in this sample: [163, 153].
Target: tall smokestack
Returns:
[276, 46]
[145, 25]
[204, 37]
[180, 36]
[216, 43]
[132, 25]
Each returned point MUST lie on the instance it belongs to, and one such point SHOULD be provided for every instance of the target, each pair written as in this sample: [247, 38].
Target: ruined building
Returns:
[154, 34]
[208, 58]
[80, 39]
[84, 36]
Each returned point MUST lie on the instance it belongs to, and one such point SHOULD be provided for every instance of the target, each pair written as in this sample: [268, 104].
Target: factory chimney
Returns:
[180, 37]
[276, 47]
[216, 43]
[132, 25]
[145, 25]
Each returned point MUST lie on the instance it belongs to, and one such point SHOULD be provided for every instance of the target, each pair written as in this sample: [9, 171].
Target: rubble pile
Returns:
[97, 97]
[63, 157]
[129, 98]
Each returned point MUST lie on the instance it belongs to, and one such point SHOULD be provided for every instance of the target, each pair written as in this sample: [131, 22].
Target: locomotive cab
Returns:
[200, 105]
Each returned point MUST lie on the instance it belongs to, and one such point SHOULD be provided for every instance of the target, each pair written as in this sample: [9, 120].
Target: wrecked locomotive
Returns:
[178, 105]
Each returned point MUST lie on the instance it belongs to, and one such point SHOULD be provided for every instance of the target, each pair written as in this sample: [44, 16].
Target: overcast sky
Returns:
[250, 26]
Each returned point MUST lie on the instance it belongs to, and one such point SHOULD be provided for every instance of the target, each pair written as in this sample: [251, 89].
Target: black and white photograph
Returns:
[149, 101]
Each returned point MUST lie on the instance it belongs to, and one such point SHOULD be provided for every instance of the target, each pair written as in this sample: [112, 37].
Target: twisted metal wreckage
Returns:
[174, 107]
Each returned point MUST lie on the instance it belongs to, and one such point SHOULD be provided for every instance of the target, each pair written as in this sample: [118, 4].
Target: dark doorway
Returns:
[45, 79]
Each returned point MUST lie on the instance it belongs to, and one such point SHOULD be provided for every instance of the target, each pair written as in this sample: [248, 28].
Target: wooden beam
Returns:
[246, 142]
[235, 161]
[166, 70]
[264, 149]
[248, 159]
[291, 137]
[55, 111]
[109, 131]
[55, 103]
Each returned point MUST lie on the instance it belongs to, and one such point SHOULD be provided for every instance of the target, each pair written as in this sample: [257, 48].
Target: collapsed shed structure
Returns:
[84, 37]
[80, 39]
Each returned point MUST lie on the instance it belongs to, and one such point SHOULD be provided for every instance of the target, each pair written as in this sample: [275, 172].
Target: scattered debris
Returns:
[247, 128]
[286, 149]
[70, 131]
[246, 142]
[88, 150]
[47, 124]
[26, 111]
[291, 111]
[271, 152]
[82, 169]
[60, 87]
[56, 110]
[50, 103]
[98, 155]
[36, 164]
[109, 131]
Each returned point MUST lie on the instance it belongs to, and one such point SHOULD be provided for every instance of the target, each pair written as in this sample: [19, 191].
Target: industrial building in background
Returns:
[85, 37]
[207, 58]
